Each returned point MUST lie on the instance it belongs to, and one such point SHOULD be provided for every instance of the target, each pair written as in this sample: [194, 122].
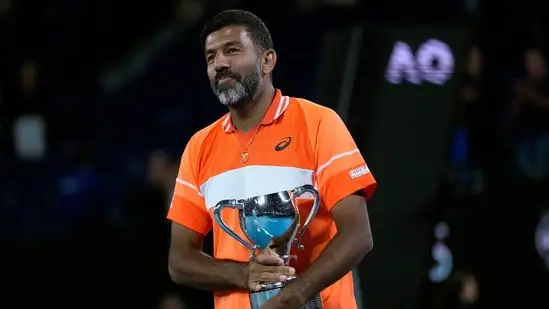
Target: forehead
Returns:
[228, 35]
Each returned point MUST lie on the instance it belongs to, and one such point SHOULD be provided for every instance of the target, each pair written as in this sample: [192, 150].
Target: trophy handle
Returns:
[316, 204]
[217, 215]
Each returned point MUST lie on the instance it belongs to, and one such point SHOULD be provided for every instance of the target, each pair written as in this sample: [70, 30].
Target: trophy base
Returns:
[269, 290]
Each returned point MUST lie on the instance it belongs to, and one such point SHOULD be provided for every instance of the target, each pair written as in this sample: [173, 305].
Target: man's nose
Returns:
[221, 63]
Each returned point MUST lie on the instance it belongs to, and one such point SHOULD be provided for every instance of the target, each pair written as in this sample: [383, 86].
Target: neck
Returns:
[249, 116]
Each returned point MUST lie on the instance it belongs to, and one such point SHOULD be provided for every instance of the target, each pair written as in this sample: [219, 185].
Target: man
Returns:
[531, 122]
[267, 143]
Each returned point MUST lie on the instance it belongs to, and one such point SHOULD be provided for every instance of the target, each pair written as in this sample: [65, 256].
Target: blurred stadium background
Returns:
[448, 100]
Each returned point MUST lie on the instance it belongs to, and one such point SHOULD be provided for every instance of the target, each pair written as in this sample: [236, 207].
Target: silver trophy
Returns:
[271, 221]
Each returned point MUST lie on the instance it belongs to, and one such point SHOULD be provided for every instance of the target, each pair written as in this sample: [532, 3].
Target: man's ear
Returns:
[268, 61]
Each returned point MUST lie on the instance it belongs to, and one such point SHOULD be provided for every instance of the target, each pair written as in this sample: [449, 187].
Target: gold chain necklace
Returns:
[244, 156]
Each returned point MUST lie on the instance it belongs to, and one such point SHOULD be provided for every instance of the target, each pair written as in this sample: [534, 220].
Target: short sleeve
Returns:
[340, 167]
[187, 207]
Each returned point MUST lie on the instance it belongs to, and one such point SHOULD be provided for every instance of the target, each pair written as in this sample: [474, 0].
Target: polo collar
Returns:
[276, 109]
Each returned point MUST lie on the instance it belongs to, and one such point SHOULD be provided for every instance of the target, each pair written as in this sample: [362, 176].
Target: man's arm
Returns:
[344, 182]
[189, 265]
[351, 243]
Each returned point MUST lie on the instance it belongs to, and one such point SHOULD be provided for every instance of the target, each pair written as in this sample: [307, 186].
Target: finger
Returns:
[254, 286]
[282, 270]
[287, 258]
[271, 252]
[270, 260]
[272, 274]
[285, 270]
[274, 277]
[271, 277]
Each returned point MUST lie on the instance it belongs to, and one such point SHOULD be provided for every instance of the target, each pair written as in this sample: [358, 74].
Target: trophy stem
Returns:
[267, 291]
[286, 259]
[259, 298]
[275, 285]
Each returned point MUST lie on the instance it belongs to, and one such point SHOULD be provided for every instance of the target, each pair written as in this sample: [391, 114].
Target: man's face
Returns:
[234, 66]
[158, 166]
[535, 64]
[474, 65]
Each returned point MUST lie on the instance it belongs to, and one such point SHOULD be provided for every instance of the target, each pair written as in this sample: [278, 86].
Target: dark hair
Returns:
[254, 26]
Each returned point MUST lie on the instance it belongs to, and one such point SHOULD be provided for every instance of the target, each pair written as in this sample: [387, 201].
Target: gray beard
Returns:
[244, 91]
[232, 95]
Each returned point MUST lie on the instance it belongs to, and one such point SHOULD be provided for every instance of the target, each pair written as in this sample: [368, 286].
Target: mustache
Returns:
[226, 74]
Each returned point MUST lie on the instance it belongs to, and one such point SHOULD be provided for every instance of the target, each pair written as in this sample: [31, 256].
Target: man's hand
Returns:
[285, 300]
[267, 267]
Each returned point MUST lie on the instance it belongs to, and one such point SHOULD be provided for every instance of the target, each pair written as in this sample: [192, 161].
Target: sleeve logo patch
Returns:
[359, 171]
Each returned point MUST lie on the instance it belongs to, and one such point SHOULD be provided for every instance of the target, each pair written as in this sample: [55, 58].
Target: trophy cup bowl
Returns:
[270, 221]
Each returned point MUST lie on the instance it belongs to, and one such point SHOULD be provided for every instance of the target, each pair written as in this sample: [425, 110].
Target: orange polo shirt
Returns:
[298, 142]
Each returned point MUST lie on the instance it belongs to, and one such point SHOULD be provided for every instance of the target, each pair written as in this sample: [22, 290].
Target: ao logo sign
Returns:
[433, 62]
